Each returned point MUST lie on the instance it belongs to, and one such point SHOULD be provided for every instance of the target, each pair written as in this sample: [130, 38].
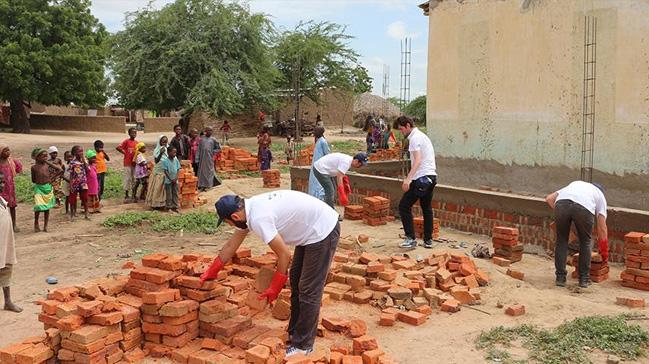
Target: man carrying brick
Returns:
[418, 184]
[579, 203]
[282, 218]
[330, 170]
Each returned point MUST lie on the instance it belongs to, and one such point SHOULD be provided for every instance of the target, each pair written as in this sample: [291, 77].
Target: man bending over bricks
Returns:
[330, 170]
[283, 218]
[579, 203]
[418, 184]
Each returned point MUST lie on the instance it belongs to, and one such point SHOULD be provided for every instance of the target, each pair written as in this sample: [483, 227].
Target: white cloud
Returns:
[397, 30]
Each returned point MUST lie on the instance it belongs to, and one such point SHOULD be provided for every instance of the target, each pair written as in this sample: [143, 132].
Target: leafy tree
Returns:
[194, 54]
[417, 108]
[51, 52]
[319, 56]
[394, 101]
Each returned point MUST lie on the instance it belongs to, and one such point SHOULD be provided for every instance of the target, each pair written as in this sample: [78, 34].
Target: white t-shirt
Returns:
[299, 218]
[585, 194]
[418, 141]
[333, 163]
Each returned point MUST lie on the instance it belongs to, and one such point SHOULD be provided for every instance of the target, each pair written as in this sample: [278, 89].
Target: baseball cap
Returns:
[226, 206]
[90, 153]
[52, 149]
[361, 157]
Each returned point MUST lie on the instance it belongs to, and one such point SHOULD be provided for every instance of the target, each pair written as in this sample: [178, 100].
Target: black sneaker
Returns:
[584, 283]
[560, 282]
[428, 244]
[408, 243]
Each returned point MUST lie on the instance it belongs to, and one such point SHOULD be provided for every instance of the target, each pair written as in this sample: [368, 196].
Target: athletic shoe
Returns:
[428, 244]
[584, 283]
[292, 350]
[560, 282]
[408, 243]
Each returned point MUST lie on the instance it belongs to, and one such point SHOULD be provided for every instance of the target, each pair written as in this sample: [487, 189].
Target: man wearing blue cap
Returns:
[330, 170]
[282, 218]
[581, 203]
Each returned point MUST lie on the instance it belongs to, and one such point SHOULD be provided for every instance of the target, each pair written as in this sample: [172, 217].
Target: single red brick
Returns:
[412, 317]
[333, 323]
[335, 358]
[213, 344]
[372, 356]
[634, 237]
[116, 337]
[34, 355]
[505, 230]
[450, 306]
[387, 319]
[70, 323]
[259, 354]
[134, 356]
[503, 262]
[106, 319]
[357, 328]
[64, 294]
[172, 263]
[363, 343]
[516, 274]
[179, 308]
[8, 354]
[281, 310]
[515, 310]
[177, 341]
[89, 308]
[352, 359]
[153, 260]
[49, 306]
[426, 310]
[190, 316]
[630, 302]
[160, 297]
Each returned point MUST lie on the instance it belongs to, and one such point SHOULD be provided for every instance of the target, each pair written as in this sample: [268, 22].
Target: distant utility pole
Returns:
[404, 90]
[386, 89]
[296, 90]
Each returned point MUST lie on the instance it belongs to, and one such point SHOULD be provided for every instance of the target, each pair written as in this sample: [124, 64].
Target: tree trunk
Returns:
[19, 117]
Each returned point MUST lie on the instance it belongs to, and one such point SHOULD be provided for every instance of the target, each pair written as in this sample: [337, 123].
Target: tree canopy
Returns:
[319, 56]
[51, 52]
[194, 54]
[417, 109]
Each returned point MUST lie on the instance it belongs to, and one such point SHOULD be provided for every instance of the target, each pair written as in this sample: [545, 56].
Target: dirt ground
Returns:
[71, 253]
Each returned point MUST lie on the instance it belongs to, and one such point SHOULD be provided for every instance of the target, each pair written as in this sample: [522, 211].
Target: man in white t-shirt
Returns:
[418, 184]
[286, 218]
[330, 169]
[580, 203]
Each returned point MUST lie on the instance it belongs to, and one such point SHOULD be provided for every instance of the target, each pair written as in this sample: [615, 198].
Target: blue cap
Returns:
[226, 206]
[361, 157]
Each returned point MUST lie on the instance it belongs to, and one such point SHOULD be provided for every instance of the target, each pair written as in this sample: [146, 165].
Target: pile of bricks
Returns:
[506, 244]
[354, 212]
[385, 154]
[376, 210]
[271, 178]
[636, 254]
[392, 282]
[598, 267]
[363, 348]
[188, 186]
[304, 157]
[418, 223]
[237, 160]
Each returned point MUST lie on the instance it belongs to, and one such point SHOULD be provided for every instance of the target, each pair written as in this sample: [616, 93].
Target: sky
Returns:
[378, 27]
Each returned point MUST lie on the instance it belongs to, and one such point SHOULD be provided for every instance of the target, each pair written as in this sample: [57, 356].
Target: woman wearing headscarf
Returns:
[10, 168]
[156, 196]
[141, 171]
[321, 149]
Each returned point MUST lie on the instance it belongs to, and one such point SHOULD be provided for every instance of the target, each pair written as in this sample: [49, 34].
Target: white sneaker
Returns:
[292, 350]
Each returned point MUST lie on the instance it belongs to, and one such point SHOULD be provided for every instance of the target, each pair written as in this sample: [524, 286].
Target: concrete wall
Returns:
[160, 125]
[478, 211]
[107, 124]
[505, 99]
[336, 107]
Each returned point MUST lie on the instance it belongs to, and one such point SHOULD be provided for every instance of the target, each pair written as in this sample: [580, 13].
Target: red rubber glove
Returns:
[213, 271]
[348, 186]
[276, 285]
[603, 248]
[342, 196]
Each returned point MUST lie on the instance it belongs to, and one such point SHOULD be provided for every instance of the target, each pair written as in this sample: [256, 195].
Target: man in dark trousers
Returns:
[580, 203]
[286, 218]
[418, 184]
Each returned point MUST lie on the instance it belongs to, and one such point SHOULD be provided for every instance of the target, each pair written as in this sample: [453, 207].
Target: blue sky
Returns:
[377, 25]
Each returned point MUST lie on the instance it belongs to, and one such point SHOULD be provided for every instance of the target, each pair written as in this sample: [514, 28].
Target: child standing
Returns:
[10, 168]
[127, 148]
[102, 158]
[171, 166]
[78, 182]
[289, 149]
[141, 171]
[43, 191]
[93, 183]
[56, 174]
[65, 183]
[225, 128]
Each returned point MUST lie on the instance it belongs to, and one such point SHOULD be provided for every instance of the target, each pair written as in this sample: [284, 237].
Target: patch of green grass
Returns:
[192, 222]
[348, 146]
[566, 343]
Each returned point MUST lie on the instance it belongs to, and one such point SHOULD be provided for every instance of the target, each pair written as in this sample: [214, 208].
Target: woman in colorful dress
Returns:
[155, 195]
[10, 168]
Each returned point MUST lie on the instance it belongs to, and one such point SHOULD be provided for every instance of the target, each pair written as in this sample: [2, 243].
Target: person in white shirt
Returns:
[580, 203]
[418, 184]
[330, 169]
[286, 218]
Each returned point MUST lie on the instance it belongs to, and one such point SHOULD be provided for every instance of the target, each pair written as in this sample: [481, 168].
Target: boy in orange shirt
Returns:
[102, 158]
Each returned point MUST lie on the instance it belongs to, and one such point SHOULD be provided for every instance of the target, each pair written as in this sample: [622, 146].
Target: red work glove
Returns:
[342, 196]
[213, 271]
[276, 285]
[348, 186]
[603, 248]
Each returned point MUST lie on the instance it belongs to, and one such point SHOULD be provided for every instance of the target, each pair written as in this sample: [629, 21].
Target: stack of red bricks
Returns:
[385, 154]
[442, 280]
[598, 267]
[271, 178]
[188, 186]
[636, 253]
[235, 159]
[304, 157]
[376, 210]
[354, 212]
[419, 227]
[506, 244]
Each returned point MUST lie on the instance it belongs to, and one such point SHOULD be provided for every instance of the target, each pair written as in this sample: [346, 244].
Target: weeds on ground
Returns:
[25, 190]
[348, 146]
[567, 343]
[192, 222]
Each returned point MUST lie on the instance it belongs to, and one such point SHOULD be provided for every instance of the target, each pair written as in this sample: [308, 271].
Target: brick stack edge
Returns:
[598, 267]
[506, 243]
[160, 309]
[236, 160]
[271, 178]
[188, 187]
[419, 227]
[376, 211]
[636, 252]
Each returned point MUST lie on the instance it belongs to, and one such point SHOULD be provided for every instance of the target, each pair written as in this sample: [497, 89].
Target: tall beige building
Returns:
[505, 94]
